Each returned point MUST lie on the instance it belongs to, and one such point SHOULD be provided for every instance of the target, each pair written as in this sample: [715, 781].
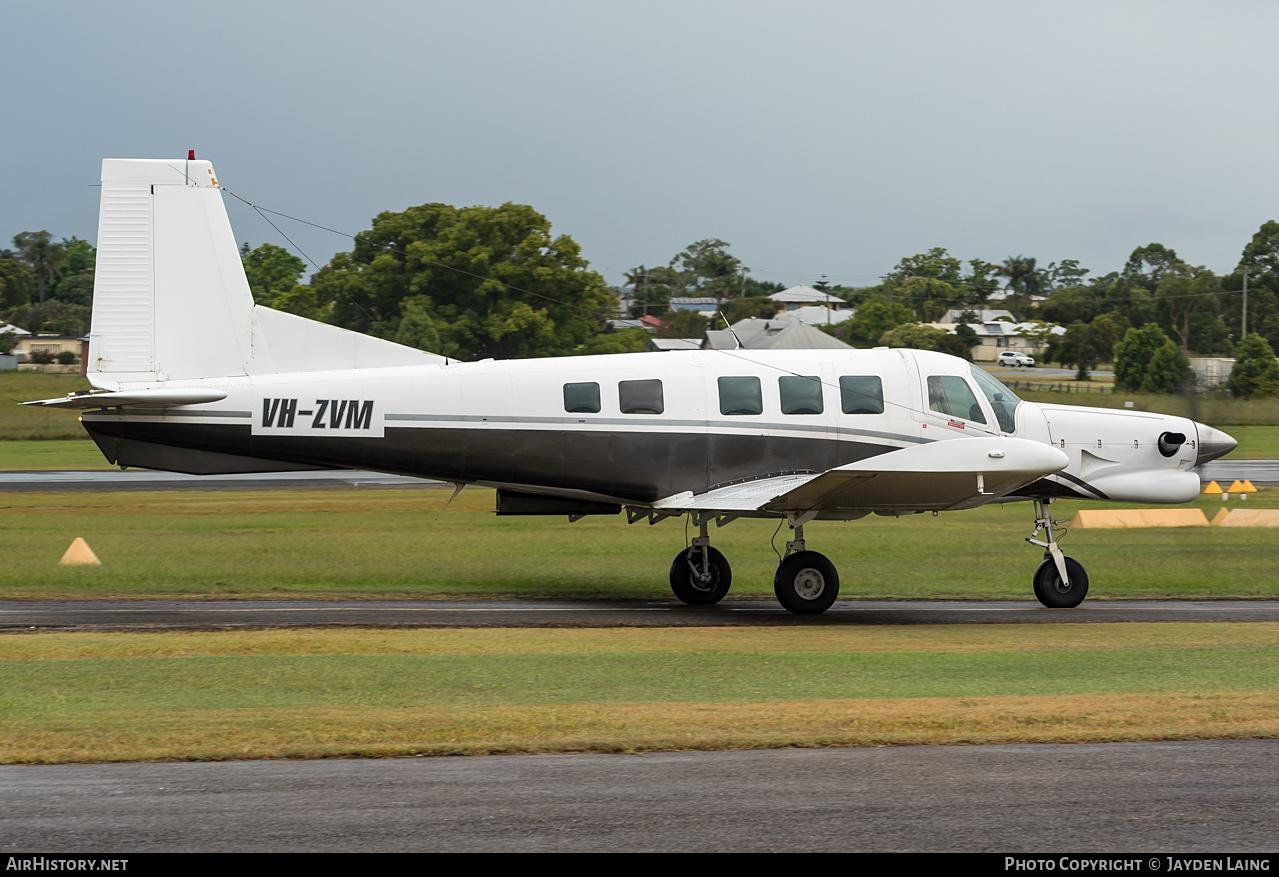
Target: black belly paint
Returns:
[635, 466]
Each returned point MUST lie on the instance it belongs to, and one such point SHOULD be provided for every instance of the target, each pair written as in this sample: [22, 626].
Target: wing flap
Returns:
[960, 473]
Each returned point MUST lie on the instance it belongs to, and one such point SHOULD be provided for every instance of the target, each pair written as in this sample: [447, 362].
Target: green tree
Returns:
[1147, 265]
[8, 341]
[43, 258]
[1182, 293]
[745, 308]
[1260, 259]
[1064, 275]
[920, 337]
[1168, 370]
[873, 319]
[416, 328]
[1256, 371]
[1134, 353]
[497, 282]
[710, 270]
[271, 271]
[1084, 345]
[936, 264]
[1024, 280]
[685, 324]
[15, 284]
[620, 341]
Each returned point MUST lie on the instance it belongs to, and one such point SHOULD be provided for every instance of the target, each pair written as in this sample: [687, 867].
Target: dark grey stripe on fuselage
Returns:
[630, 465]
[593, 421]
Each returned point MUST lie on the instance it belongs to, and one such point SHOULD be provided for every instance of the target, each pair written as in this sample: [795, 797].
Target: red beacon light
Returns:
[190, 155]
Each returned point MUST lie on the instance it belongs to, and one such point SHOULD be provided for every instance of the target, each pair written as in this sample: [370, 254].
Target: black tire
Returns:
[689, 589]
[806, 583]
[1052, 593]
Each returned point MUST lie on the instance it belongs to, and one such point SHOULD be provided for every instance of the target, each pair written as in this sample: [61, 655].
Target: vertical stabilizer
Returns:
[171, 301]
[170, 297]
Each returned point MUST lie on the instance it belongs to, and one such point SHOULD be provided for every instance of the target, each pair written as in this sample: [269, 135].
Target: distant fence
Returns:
[1035, 386]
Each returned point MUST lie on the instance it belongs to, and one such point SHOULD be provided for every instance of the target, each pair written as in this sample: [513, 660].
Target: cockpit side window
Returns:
[951, 395]
[1002, 400]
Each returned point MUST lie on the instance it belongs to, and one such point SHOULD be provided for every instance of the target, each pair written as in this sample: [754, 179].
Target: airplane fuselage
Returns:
[633, 428]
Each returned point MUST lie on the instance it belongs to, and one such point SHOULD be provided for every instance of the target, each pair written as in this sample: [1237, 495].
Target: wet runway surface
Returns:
[177, 614]
[1198, 796]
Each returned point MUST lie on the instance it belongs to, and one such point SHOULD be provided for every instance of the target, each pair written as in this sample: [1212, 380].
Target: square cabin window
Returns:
[582, 398]
[740, 396]
[861, 394]
[801, 395]
[640, 397]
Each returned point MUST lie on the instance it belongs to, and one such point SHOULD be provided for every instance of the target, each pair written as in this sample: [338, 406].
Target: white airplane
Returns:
[192, 376]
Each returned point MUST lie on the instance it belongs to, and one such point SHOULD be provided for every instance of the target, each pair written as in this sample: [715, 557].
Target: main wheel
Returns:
[1053, 593]
[690, 587]
[806, 583]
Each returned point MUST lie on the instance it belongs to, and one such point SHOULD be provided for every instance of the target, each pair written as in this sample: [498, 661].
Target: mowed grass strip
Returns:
[395, 543]
[337, 732]
[89, 697]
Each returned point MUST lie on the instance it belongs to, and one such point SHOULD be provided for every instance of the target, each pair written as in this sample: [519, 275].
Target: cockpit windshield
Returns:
[1002, 399]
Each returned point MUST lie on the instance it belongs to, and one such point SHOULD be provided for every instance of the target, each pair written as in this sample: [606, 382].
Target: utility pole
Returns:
[1244, 326]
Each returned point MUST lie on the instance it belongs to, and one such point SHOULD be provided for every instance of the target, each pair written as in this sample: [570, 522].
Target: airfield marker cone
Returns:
[1214, 487]
[80, 554]
[1247, 489]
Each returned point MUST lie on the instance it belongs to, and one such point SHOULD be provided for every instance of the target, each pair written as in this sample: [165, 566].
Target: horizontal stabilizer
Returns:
[133, 398]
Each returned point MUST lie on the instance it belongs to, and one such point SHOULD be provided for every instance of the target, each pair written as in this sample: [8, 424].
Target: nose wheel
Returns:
[1060, 582]
[1055, 593]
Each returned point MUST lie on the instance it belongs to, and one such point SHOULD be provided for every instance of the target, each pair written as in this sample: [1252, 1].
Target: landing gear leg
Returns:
[700, 575]
[806, 582]
[1060, 582]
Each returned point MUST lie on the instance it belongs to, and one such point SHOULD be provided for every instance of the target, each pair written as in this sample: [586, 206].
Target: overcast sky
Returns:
[816, 138]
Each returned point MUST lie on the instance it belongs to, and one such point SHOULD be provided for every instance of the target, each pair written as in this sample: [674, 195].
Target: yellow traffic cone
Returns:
[1214, 487]
[1247, 489]
[80, 554]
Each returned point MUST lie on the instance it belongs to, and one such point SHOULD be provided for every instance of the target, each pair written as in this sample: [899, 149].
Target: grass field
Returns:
[102, 697]
[389, 543]
[19, 422]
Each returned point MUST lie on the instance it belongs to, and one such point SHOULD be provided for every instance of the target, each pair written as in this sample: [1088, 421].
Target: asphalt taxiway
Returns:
[16, 615]
[1184, 797]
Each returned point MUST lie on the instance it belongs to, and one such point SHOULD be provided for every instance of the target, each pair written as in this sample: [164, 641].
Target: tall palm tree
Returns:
[1024, 279]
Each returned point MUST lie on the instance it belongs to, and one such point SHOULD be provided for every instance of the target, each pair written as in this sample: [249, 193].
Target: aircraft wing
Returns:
[954, 474]
[133, 398]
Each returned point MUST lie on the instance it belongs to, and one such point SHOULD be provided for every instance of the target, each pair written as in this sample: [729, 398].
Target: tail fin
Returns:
[171, 301]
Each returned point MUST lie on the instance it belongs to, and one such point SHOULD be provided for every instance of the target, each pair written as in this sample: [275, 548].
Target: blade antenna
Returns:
[728, 326]
[457, 488]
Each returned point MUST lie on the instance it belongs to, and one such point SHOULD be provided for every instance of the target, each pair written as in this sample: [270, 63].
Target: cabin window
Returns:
[951, 395]
[800, 395]
[640, 397]
[861, 394]
[1002, 400]
[582, 398]
[740, 396]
